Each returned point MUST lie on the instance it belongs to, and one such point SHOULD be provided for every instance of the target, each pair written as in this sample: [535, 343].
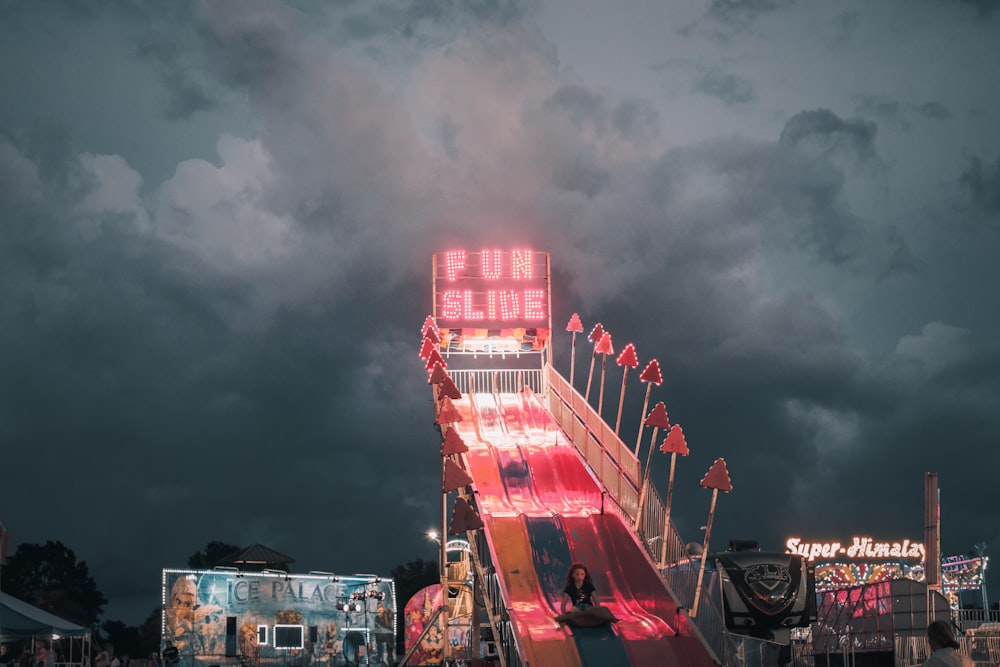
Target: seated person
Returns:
[580, 603]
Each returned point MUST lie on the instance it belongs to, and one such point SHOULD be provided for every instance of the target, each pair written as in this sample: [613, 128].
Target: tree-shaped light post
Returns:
[651, 375]
[575, 326]
[446, 420]
[434, 357]
[429, 325]
[430, 341]
[657, 419]
[627, 359]
[673, 444]
[435, 377]
[427, 347]
[595, 338]
[463, 518]
[717, 479]
[605, 348]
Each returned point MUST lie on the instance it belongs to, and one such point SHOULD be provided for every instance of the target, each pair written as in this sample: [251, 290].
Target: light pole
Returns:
[980, 551]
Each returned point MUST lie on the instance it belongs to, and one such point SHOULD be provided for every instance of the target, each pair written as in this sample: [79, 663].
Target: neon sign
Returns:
[491, 288]
[860, 547]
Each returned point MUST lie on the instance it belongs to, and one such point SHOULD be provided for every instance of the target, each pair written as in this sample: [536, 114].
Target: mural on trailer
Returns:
[261, 619]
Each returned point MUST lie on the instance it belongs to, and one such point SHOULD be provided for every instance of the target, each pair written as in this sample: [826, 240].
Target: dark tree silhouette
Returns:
[135, 641]
[149, 632]
[49, 577]
[125, 639]
[211, 555]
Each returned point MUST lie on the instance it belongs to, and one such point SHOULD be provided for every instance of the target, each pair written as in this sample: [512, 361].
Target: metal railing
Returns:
[496, 607]
[503, 381]
[614, 464]
[970, 619]
[911, 651]
[619, 471]
[751, 652]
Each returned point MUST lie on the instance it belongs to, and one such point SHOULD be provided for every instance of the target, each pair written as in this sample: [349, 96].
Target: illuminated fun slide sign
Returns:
[491, 288]
[860, 547]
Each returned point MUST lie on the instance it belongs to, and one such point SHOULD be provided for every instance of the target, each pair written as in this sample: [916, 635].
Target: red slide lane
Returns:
[523, 465]
[558, 478]
[607, 544]
[543, 642]
[588, 542]
[654, 596]
[561, 481]
[501, 432]
[491, 495]
[518, 484]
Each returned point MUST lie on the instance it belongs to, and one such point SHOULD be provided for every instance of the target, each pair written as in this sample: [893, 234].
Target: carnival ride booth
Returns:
[862, 625]
[271, 618]
[873, 601]
[31, 626]
[424, 637]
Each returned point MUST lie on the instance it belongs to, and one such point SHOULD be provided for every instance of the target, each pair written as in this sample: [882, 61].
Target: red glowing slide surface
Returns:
[542, 510]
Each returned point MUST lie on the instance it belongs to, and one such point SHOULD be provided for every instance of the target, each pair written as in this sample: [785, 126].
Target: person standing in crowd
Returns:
[171, 656]
[944, 647]
[43, 657]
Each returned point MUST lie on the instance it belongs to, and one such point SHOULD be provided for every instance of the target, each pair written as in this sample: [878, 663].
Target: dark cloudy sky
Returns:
[218, 218]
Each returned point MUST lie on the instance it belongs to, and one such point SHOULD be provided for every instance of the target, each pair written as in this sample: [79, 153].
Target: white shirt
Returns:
[947, 657]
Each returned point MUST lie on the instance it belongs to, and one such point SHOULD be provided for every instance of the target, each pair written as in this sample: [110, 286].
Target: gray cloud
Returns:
[983, 183]
[745, 11]
[730, 89]
[935, 110]
[984, 8]
[249, 319]
[827, 132]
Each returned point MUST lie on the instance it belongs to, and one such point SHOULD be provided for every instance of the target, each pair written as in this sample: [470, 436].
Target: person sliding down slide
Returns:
[581, 595]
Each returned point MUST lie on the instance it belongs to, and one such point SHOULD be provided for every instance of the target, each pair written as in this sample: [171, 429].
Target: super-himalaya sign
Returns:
[271, 618]
[859, 548]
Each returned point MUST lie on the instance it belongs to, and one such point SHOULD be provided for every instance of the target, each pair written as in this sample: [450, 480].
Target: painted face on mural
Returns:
[182, 598]
[248, 639]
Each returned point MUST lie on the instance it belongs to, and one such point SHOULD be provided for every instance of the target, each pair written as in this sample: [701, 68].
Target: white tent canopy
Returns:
[20, 620]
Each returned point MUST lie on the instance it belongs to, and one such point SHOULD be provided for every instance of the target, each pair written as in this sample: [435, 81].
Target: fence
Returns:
[504, 381]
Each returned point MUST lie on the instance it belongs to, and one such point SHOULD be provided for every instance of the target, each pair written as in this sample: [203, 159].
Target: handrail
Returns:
[496, 609]
[592, 436]
[619, 470]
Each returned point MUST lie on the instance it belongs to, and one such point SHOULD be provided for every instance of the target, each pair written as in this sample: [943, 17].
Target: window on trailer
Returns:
[288, 636]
